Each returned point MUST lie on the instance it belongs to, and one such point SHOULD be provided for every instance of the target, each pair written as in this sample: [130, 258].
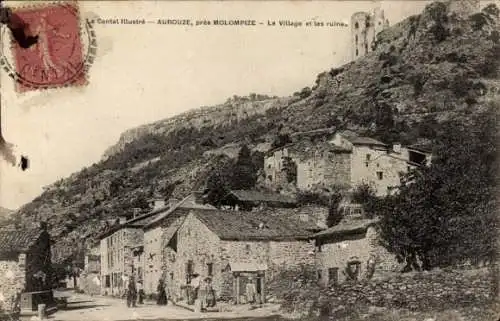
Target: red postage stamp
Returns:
[57, 58]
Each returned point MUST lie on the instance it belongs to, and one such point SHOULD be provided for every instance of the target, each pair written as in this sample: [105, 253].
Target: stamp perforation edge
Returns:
[78, 82]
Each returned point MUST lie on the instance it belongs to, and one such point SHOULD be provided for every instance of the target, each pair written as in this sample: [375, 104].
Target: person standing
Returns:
[140, 290]
[162, 294]
[131, 292]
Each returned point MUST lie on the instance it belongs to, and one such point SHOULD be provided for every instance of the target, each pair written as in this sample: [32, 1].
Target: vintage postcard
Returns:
[249, 160]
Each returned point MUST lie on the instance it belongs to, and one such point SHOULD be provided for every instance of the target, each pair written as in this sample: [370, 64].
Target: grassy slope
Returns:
[415, 76]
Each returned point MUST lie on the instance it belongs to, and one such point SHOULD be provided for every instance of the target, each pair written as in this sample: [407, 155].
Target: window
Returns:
[356, 52]
[319, 274]
[333, 275]
[356, 37]
[139, 273]
[356, 25]
[366, 47]
[247, 248]
[189, 271]
[107, 281]
[368, 157]
[380, 175]
[318, 246]
[210, 269]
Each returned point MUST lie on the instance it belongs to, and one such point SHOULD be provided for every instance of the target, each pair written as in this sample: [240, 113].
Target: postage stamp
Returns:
[62, 54]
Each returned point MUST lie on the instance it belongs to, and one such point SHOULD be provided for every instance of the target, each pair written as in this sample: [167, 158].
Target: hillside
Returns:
[5, 213]
[428, 68]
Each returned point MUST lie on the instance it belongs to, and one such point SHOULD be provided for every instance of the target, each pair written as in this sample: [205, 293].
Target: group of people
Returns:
[135, 292]
[201, 290]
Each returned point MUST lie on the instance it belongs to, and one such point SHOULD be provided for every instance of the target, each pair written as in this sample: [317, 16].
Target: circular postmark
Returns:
[62, 55]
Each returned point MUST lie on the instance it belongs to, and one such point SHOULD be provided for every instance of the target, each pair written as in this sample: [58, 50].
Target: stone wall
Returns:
[290, 255]
[324, 169]
[421, 291]
[12, 282]
[152, 258]
[198, 244]
[335, 254]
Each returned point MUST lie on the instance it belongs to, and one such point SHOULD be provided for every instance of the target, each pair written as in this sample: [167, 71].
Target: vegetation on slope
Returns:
[430, 68]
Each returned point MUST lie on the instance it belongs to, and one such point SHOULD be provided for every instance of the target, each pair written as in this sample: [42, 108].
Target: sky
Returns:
[144, 73]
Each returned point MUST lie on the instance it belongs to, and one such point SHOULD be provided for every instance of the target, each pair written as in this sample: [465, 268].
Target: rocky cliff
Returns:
[429, 67]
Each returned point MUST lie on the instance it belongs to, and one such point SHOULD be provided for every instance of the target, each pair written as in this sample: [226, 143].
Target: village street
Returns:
[98, 308]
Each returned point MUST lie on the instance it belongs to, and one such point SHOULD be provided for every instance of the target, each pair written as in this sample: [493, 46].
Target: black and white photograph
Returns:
[330, 160]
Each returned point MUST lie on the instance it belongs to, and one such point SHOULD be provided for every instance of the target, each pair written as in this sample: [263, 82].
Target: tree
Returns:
[281, 140]
[445, 214]
[245, 173]
[219, 183]
[334, 213]
[364, 195]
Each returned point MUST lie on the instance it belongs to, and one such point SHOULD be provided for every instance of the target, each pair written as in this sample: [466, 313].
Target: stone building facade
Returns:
[274, 167]
[350, 244]
[230, 247]
[364, 28]
[323, 168]
[118, 252]
[25, 264]
[158, 255]
[348, 160]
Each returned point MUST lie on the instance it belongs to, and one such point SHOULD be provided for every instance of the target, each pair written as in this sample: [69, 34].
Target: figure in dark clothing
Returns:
[131, 292]
[162, 294]
[141, 293]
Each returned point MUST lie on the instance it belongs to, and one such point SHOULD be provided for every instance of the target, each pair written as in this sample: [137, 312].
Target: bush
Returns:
[297, 289]
[312, 198]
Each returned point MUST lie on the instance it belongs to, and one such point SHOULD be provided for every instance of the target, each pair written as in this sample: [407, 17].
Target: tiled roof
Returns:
[257, 196]
[304, 147]
[136, 222]
[346, 228]
[258, 225]
[18, 241]
[360, 140]
[421, 147]
[187, 203]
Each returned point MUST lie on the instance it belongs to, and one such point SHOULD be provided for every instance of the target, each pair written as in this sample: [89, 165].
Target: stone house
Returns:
[118, 251]
[349, 245]
[90, 277]
[348, 160]
[157, 256]
[92, 260]
[275, 167]
[25, 266]
[233, 249]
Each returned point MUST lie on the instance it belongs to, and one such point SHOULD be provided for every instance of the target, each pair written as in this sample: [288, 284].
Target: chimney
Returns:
[122, 219]
[136, 211]
[396, 148]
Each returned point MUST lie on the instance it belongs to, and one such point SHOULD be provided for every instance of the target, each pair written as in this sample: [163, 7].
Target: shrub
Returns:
[297, 289]
[314, 198]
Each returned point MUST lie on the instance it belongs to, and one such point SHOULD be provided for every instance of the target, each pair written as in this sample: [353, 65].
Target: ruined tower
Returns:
[364, 28]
